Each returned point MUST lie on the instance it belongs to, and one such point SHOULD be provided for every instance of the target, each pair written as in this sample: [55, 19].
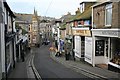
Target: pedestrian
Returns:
[22, 56]
[67, 49]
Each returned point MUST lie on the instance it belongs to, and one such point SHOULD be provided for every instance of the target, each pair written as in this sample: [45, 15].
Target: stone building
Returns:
[106, 39]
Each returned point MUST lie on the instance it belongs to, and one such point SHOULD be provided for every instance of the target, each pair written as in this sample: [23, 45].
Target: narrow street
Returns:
[48, 68]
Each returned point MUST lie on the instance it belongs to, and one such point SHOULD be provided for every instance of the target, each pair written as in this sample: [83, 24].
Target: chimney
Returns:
[78, 11]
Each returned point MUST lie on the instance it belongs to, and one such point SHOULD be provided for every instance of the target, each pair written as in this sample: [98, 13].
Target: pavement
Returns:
[25, 70]
[83, 67]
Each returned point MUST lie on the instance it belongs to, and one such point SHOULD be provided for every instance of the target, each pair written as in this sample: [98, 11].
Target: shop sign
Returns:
[113, 33]
[106, 32]
[87, 22]
[82, 32]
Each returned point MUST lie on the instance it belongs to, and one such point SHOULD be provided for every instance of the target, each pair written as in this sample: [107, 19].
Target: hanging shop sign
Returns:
[82, 32]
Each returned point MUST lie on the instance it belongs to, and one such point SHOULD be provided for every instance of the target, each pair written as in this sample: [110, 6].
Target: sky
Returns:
[49, 8]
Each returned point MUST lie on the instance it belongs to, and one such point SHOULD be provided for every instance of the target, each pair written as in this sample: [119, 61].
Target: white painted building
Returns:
[1, 26]
[7, 39]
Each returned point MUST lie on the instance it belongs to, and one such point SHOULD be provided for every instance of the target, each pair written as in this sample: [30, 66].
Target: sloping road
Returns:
[48, 68]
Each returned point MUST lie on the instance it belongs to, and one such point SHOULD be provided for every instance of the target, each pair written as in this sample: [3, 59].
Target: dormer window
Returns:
[82, 7]
[108, 15]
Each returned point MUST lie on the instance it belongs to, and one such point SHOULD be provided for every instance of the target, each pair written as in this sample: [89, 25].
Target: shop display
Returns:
[116, 58]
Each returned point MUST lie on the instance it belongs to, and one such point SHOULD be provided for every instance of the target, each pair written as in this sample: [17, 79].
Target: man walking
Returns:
[67, 49]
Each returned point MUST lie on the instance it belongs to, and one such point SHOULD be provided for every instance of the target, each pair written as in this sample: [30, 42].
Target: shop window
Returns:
[116, 52]
[99, 48]
[108, 15]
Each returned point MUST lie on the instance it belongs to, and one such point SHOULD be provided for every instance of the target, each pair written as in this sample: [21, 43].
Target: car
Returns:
[46, 42]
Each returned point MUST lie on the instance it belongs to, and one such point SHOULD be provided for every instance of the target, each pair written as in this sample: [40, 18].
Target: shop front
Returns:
[79, 41]
[106, 49]
[114, 63]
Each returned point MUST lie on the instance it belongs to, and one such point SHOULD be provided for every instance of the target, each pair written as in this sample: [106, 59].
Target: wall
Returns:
[88, 50]
[62, 34]
[99, 15]
[77, 46]
[2, 28]
[1, 20]
[119, 15]
[115, 15]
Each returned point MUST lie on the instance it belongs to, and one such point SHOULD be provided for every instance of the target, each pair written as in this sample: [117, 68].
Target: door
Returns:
[82, 46]
[99, 48]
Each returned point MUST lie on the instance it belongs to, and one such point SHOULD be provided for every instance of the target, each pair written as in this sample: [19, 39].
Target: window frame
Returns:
[108, 7]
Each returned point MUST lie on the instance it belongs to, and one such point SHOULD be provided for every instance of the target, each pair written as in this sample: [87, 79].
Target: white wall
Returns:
[2, 48]
[77, 46]
[0, 37]
[0, 54]
[100, 60]
[88, 50]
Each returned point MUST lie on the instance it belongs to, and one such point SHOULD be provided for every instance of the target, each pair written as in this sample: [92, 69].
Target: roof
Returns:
[85, 15]
[63, 26]
[82, 16]
[8, 8]
[23, 17]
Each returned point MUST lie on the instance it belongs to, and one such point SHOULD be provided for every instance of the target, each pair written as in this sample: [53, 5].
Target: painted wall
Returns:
[77, 46]
[88, 50]
[2, 28]
[1, 20]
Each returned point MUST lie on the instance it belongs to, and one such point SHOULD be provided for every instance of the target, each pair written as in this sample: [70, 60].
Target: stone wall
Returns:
[99, 15]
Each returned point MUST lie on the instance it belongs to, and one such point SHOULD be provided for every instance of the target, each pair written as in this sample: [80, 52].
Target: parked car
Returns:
[46, 42]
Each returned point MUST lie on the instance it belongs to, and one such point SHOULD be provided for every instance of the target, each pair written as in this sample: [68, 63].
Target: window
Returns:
[108, 15]
[29, 36]
[82, 7]
[29, 28]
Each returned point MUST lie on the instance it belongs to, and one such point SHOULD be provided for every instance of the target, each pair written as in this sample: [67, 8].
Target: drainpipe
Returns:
[93, 42]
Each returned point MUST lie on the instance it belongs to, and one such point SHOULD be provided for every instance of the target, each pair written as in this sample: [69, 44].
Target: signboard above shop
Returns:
[81, 32]
[106, 32]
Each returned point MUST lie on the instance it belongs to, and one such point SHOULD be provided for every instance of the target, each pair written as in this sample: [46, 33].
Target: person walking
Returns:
[67, 49]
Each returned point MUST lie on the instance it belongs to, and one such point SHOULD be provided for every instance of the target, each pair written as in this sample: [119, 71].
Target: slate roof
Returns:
[23, 17]
[85, 15]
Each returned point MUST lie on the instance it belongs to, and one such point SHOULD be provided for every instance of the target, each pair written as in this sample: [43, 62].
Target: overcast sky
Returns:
[51, 8]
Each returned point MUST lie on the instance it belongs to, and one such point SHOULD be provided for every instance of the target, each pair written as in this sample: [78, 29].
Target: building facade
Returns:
[7, 39]
[81, 31]
[105, 33]
[34, 30]
[1, 26]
